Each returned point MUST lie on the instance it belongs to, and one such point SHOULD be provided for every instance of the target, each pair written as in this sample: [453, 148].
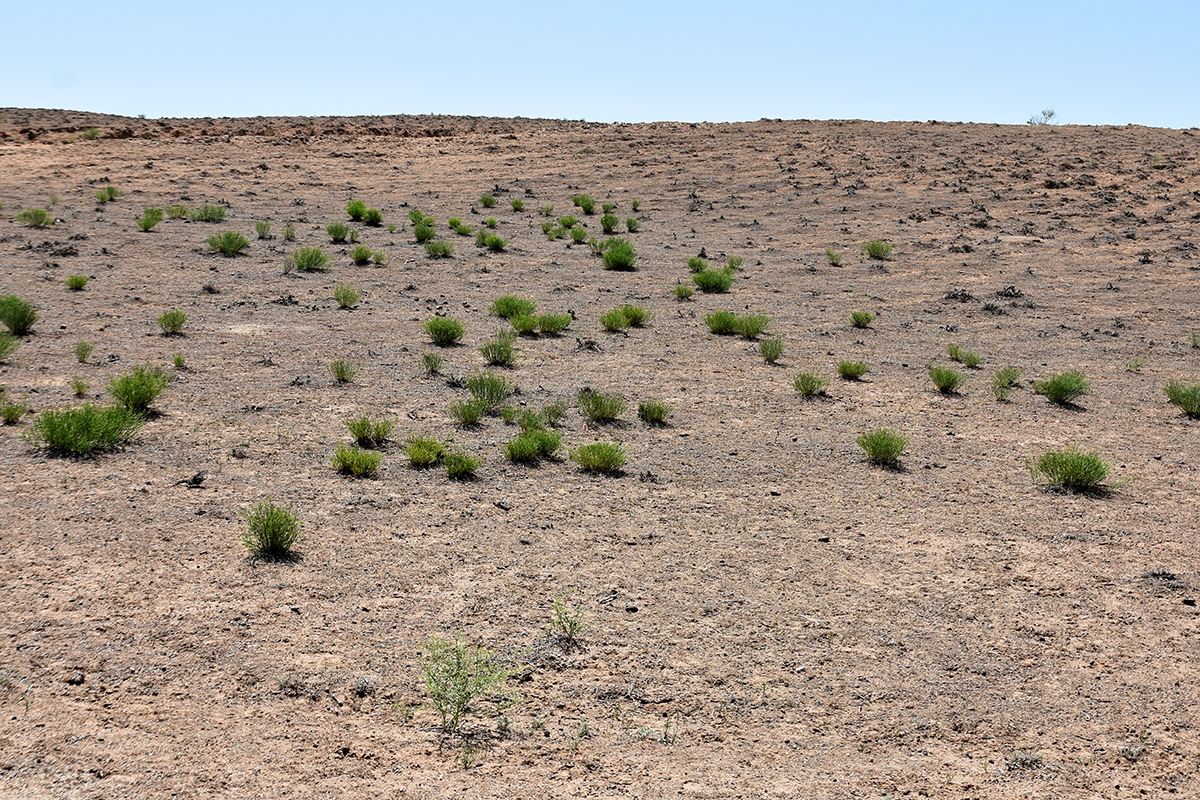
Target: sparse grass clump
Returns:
[510, 306]
[833, 258]
[361, 255]
[151, 216]
[598, 407]
[424, 233]
[228, 243]
[17, 315]
[172, 322]
[494, 243]
[339, 232]
[83, 351]
[372, 218]
[271, 530]
[466, 413]
[619, 254]
[176, 212]
[579, 235]
[140, 387]
[491, 222]
[89, 134]
[459, 466]
[8, 346]
[423, 451]
[355, 461]
[632, 224]
[636, 204]
[809, 384]
[568, 222]
[608, 223]
[532, 445]
[262, 229]
[36, 218]
[84, 430]
[516, 204]
[12, 411]
[713, 281]
[882, 446]
[524, 324]
[432, 363]
[444, 331]
[1063, 387]
[370, 433]
[636, 316]
[654, 412]
[107, 194]
[346, 295]
[309, 259]
[722, 323]
[79, 387]
[289, 232]
[498, 351]
[605, 457]
[207, 213]
[355, 210]
[490, 390]
[852, 370]
[771, 349]
[458, 676]
[1070, 468]
[878, 249]
[968, 358]
[553, 324]
[614, 321]
[585, 203]
[697, 264]
[682, 291]
[861, 319]
[749, 326]
[343, 371]
[76, 282]
[946, 379]
[1185, 397]
[439, 248]
[487, 200]
[1003, 380]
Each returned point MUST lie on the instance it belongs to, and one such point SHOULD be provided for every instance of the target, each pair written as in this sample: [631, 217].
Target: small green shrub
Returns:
[355, 209]
[310, 259]
[654, 412]
[524, 324]
[946, 379]
[771, 349]
[466, 413]
[17, 315]
[510, 306]
[439, 248]
[361, 255]
[140, 387]
[636, 316]
[372, 218]
[1185, 397]
[1003, 380]
[1135, 364]
[423, 451]
[36, 218]
[346, 295]
[491, 222]
[424, 233]
[432, 363]
[833, 257]
[459, 466]
[79, 386]
[107, 194]
[734, 262]
[861, 319]
[585, 203]
[494, 243]
[83, 350]
[722, 323]
[883, 446]
[176, 212]
[370, 433]
[8, 346]
[608, 223]
[89, 134]
[207, 213]
[579, 235]
[490, 390]
[553, 324]
[605, 457]
[682, 292]
[532, 445]
[554, 412]
[458, 676]
[619, 254]
[712, 281]
[852, 370]
[498, 351]
[343, 371]
[262, 229]
[271, 530]
[749, 326]
[809, 384]
[567, 222]
[355, 461]
[487, 201]
[1070, 468]
[1063, 387]
[289, 232]
[84, 430]
[607, 208]
[1194, 339]
[172, 322]
[968, 358]
[228, 243]
[178, 361]
[11, 412]
[697, 264]
[632, 224]
[444, 331]
[598, 407]
[878, 249]
[614, 321]
[546, 211]
[76, 282]
[151, 216]
[338, 232]
[516, 204]
[636, 204]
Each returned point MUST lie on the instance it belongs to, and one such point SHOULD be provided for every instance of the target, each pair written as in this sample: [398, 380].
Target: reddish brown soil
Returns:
[799, 623]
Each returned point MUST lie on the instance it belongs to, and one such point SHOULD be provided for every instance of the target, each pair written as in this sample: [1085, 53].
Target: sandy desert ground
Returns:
[770, 615]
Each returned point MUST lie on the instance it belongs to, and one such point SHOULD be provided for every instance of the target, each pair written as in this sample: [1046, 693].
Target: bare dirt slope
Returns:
[770, 615]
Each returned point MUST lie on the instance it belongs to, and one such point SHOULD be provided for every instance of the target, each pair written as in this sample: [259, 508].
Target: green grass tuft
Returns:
[346, 295]
[1003, 380]
[423, 451]
[460, 466]
[601, 408]
[343, 371]
[207, 213]
[619, 254]
[1070, 468]
[946, 379]
[355, 461]
[490, 390]
[138, 388]
[444, 331]
[1185, 397]
[271, 530]
[861, 319]
[809, 384]
[172, 322]
[771, 349]
[36, 218]
[883, 446]
[713, 281]
[498, 351]
[370, 433]
[228, 243]
[151, 216]
[654, 412]
[309, 259]
[852, 370]
[17, 315]
[1063, 388]
[878, 249]
[84, 430]
[604, 457]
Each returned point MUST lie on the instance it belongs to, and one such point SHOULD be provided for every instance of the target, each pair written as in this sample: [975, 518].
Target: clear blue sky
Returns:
[1095, 62]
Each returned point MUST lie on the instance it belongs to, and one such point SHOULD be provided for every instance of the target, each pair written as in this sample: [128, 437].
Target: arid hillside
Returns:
[767, 613]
